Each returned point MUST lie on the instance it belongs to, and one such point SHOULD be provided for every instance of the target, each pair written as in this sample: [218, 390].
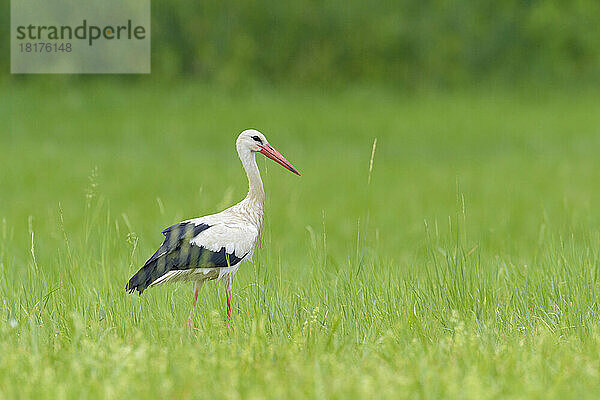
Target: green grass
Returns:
[467, 268]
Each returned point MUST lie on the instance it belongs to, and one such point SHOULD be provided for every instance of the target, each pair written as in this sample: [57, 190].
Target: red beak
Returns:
[276, 156]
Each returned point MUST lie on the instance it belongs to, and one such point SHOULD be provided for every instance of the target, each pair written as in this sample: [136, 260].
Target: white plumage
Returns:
[213, 246]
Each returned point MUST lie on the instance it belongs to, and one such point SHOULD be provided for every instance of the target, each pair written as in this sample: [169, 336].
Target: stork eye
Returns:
[257, 139]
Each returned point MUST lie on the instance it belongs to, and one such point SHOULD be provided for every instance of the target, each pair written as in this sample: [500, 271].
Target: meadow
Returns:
[457, 258]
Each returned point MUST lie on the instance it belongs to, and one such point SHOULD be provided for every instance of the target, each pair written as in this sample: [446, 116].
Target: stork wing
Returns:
[194, 244]
[236, 239]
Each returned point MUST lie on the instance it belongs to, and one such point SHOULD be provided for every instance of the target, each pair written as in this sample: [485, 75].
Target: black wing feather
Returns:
[177, 253]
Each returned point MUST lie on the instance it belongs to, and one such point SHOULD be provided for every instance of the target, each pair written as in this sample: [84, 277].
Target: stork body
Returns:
[213, 246]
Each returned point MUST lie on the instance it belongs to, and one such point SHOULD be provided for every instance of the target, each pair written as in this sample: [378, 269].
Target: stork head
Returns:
[254, 141]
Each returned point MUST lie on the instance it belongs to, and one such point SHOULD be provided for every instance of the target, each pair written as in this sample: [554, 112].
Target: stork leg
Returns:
[190, 318]
[229, 304]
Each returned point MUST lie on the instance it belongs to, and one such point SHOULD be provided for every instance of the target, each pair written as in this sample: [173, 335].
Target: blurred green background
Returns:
[407, 43]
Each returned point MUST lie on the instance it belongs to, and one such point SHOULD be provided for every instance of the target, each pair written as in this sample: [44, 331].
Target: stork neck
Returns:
[256, 191]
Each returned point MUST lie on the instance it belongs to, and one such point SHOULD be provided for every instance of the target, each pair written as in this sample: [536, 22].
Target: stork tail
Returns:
[146, 275]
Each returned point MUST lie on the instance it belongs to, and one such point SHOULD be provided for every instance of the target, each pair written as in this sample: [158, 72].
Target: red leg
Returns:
[228, 307]
[190, 319]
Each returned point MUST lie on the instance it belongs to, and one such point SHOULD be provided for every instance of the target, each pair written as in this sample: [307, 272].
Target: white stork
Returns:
[212, 247]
